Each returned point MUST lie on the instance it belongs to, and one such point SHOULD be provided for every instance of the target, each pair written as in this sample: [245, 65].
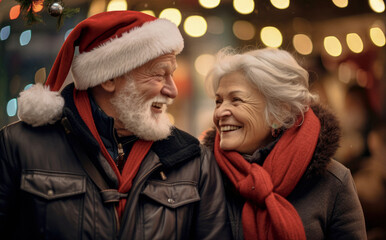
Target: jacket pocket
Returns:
[52, 204]
[167, 209]
[52, 185]
[172, 195]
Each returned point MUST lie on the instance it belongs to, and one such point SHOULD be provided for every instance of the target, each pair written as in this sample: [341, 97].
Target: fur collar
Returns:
[326, 147]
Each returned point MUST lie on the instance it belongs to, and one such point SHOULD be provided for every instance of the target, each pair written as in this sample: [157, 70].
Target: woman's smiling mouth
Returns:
[228, 128]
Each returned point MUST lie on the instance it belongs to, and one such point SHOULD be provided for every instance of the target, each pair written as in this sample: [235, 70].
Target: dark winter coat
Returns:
[325, 198]
[45, 192]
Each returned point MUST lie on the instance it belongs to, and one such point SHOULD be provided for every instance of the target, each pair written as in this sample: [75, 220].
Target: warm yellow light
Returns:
[148, 12]
[340, 3]
[354, 42]
[243, 30]
[280, 4]
[244, 6]
[377, 36]
[195, 26]
[117, 5]
[271, 37]
[302, 44]
[96, 6]
[332, 46]
[204, 63]
[378, 6]
[172, 14]
[209, 3]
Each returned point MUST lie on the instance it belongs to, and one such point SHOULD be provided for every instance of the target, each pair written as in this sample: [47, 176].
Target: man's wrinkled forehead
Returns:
[164, 61]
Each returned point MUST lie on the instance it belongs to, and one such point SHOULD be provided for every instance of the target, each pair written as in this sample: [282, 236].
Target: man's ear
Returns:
[109, 85]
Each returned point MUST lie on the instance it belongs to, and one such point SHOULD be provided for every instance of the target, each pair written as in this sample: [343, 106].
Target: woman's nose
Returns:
[222, 112]
[170, 89]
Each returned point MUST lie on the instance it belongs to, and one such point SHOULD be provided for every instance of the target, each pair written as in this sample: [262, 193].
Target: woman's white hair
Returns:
[276, 75]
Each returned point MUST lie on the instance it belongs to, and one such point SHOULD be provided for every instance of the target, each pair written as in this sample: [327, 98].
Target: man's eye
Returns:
[218, 101]
[236, 99]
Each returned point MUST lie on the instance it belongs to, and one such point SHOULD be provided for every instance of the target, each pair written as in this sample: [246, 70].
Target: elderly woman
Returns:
[274, 145]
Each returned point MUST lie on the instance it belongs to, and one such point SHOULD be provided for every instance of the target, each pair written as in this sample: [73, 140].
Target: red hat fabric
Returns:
[110, 44]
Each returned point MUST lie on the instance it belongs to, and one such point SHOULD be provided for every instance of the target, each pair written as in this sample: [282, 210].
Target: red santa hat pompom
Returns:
[110, 44]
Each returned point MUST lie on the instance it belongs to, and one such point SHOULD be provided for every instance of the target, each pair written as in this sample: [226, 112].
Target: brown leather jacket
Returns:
[45, 192]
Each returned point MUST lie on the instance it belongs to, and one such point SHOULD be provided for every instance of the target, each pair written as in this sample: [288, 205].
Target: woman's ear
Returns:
[109, 85]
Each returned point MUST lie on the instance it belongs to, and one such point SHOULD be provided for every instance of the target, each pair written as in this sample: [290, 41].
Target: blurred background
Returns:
[340, 42]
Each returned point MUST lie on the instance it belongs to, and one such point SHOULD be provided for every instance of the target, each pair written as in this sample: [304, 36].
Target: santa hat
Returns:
[110, 44]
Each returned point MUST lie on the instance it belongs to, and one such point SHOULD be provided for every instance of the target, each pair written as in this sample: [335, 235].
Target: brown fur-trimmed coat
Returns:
[325, 197]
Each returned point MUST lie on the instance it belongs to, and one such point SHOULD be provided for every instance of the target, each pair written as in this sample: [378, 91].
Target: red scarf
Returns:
[266, 213]
[136, 155]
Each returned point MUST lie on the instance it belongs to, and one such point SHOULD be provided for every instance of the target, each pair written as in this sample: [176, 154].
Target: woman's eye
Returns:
[237, 99]
[218, 102]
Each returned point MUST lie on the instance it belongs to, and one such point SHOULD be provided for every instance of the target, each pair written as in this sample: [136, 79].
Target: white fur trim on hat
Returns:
[123, 54]
[38, 105]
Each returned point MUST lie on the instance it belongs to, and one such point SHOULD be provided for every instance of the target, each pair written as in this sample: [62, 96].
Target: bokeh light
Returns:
[340, 3]
[204, 63]
[149, 12]
[37, 6]
[67, 33]
[345, 72]
[280, 4]
[40, 75]
[172, 14]
[215, 25]
[195, 26]
[244, 6]
[362, 77]
[332, 46]
[25, 37]
[243, 30]
[302, 44]
[96, 6]
[14, 12]
[377, 6]
[12, 107]
[28, 86]
[271, 37]
[377, 36]
[4, 32]
[354, 42]
[117, 5]
[209, 3]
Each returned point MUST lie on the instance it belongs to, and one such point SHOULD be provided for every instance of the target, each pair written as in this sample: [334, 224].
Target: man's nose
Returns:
[170, 89]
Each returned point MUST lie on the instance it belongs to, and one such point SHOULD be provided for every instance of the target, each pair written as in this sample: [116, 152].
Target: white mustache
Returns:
[162, 99]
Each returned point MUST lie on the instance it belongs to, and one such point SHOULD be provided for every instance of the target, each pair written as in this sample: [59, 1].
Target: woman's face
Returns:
[239, 115]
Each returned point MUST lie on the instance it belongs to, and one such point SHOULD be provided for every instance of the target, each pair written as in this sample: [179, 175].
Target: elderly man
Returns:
[100, 159]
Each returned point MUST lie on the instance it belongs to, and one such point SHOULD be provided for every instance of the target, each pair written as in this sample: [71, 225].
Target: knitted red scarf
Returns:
[266, 213]
[136, 155]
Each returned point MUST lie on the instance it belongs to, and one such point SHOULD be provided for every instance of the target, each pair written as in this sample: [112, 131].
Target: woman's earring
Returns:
[275, 130]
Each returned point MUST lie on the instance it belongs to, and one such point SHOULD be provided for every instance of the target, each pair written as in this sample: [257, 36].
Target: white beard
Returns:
[136, 115]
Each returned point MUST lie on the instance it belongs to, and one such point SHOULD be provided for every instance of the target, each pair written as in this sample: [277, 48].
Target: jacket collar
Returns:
[326, 147]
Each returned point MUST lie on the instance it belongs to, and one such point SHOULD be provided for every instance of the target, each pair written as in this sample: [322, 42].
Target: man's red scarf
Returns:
[266, 213]
[136, 155]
